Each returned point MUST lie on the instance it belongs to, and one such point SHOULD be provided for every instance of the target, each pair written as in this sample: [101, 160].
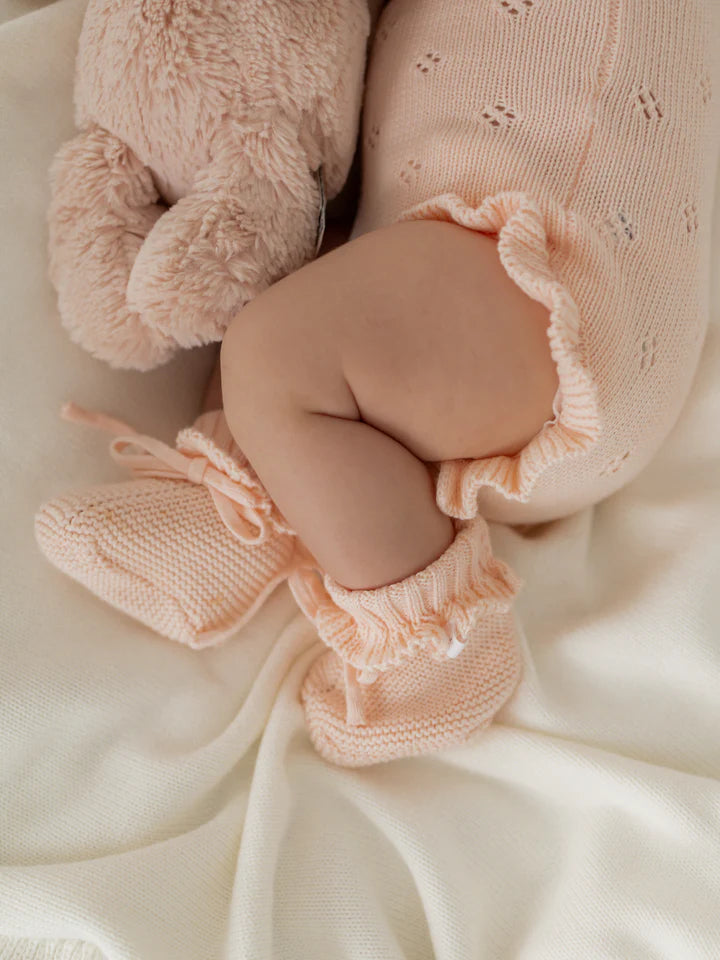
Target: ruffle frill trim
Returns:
[516, 220]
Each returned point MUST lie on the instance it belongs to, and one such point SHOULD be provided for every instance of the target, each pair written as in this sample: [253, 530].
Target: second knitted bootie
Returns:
[191, 547]
[414, 666]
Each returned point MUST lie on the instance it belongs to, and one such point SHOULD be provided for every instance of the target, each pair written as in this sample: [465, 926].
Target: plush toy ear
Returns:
[103, 204]
[251, 219]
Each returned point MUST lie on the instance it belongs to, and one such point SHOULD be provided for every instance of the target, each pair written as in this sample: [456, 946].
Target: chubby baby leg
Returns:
[405, 346]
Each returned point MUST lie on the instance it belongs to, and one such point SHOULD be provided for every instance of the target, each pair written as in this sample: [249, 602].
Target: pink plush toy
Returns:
[210, 130]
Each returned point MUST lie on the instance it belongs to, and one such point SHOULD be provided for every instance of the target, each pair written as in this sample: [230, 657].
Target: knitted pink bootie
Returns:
[191, 548]
[414, 666]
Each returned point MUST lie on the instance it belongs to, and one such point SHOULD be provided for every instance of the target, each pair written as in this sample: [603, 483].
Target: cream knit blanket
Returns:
[160, 804]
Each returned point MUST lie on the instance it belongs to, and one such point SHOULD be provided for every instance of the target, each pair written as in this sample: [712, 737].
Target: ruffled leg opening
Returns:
[518, 223]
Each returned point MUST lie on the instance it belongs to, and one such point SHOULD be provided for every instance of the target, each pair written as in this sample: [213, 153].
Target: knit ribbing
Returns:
[374, 630]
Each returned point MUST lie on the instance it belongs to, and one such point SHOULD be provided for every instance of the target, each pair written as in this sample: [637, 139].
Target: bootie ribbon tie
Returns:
[243, 510]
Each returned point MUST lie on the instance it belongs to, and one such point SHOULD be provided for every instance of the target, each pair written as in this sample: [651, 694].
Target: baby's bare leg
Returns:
[336, 233]
[406, 345]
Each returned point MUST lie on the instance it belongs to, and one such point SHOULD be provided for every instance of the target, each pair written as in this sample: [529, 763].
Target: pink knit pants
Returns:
[584, 135]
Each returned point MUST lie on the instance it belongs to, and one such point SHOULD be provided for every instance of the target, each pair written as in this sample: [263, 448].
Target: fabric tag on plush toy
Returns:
[323, 207]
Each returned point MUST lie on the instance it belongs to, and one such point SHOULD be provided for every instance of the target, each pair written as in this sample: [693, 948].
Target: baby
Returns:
[508, 334]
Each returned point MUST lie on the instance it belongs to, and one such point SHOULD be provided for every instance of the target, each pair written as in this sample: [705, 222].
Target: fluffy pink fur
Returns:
[221, 111]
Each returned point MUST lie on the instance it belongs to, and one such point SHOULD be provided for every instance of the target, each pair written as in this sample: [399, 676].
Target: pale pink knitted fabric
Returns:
[584, 133]
[413, 666]
[418, 707]
[192, 547]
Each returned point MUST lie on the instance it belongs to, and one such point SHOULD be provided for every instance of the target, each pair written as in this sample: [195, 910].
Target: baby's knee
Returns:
[245, 368]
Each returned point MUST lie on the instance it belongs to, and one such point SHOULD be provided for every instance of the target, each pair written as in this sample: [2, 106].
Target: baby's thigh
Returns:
[439, 346]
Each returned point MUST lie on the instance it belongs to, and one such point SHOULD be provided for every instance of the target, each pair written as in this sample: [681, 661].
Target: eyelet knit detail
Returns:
[523, 248]
[690, 218]
[386, 24]
[648, 103]
[428, 62]
[516, 8]
[648, 351]
[373, 136]
[706, 88]
[376, 629]
[620, 226]
[409, 173]
[497, 115]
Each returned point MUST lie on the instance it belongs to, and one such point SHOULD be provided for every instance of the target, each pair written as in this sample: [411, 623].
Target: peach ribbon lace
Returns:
[243, 507]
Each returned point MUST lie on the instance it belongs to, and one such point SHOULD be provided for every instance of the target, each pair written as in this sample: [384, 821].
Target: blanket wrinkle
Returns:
[158, 802]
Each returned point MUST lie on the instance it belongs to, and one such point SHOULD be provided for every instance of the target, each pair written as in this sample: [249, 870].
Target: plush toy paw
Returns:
[194, 271]
[237, 232]
[103, 205]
